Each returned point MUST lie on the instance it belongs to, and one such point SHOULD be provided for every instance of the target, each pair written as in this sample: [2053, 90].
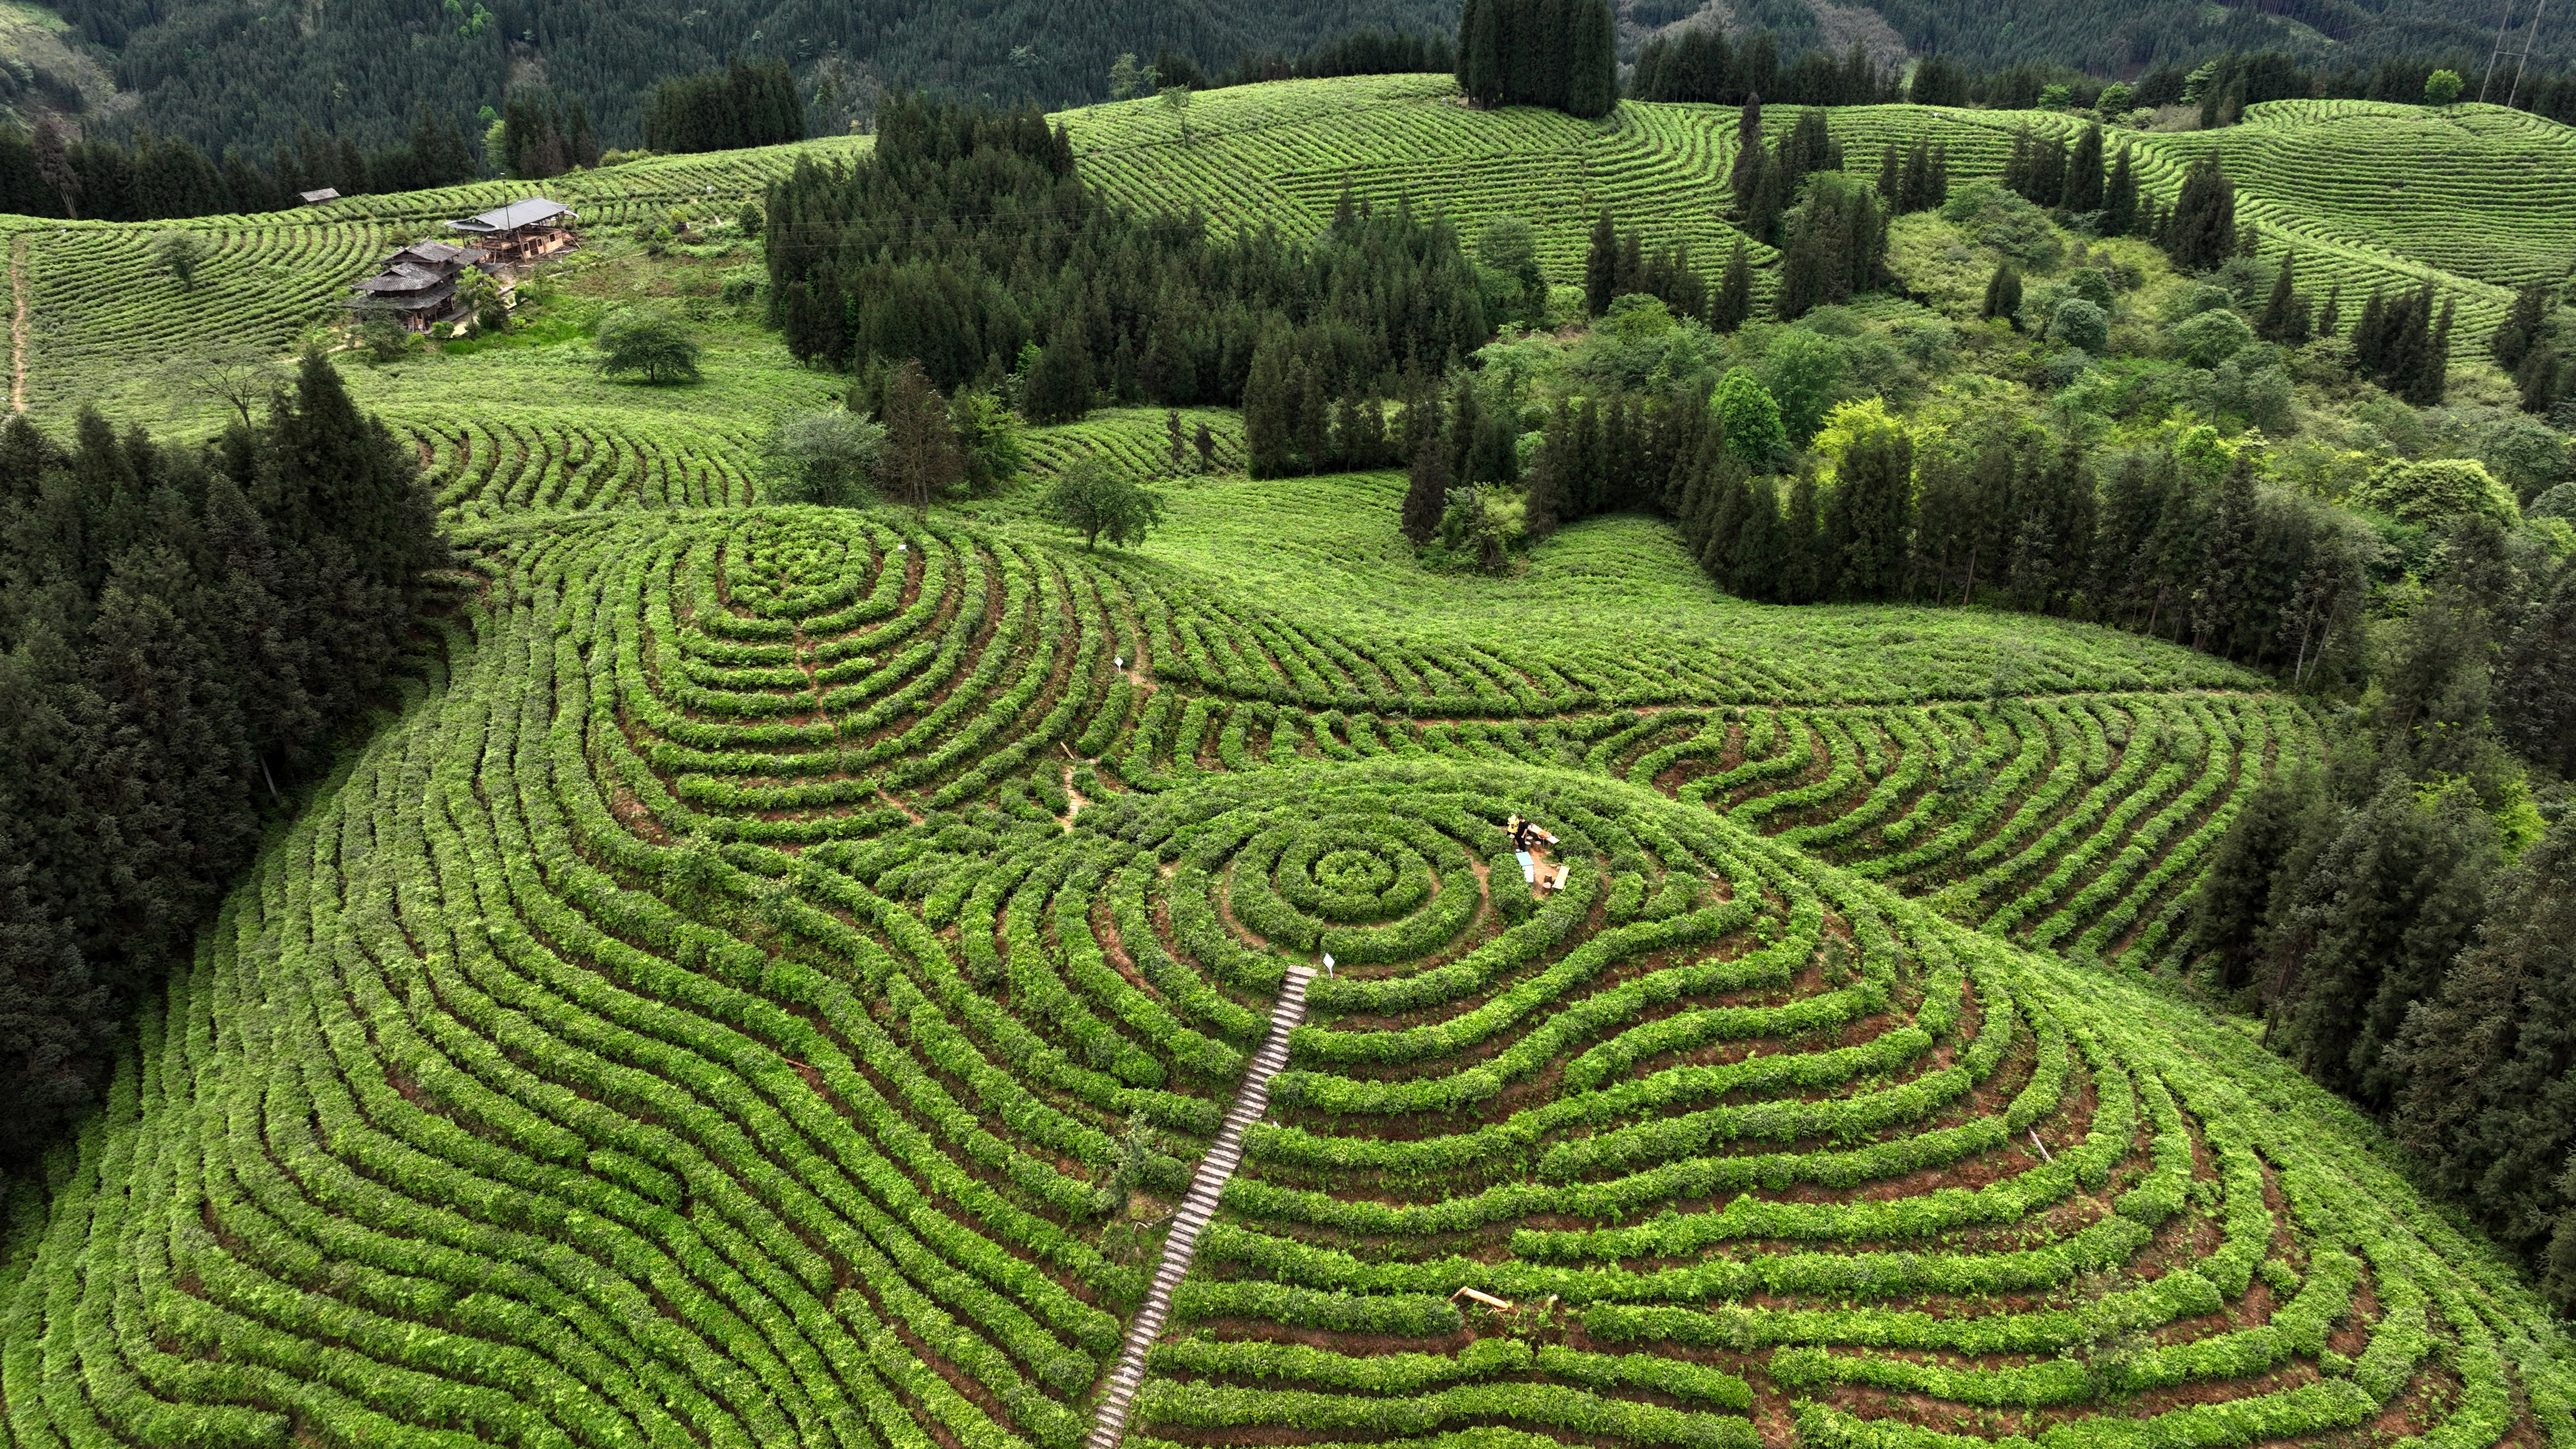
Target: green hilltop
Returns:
[776, 977]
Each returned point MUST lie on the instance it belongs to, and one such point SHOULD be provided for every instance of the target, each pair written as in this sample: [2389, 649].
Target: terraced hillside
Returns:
[2470, 198]
[99, 307]
[785, 976]
[778, 975]
[2366, 195]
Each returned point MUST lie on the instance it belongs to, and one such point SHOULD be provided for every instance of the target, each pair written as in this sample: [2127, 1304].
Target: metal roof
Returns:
[316, 198]
[435, 251]
[405, 277]
[515, 215]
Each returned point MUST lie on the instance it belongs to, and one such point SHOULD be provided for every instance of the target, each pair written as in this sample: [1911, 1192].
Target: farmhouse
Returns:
[521, 231]
[418, 284]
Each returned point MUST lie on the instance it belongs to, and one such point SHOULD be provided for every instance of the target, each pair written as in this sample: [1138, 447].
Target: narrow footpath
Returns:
[1109, 1426]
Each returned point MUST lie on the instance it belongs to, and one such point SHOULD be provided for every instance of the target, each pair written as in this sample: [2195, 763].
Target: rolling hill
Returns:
[809, 976]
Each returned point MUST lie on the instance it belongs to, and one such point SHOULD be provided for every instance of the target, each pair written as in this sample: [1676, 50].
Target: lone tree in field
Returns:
[179, 252]
[649, 343]
[922, 458]
[828, 456]
[1093, 499]
[234, 374]
[2442, 87]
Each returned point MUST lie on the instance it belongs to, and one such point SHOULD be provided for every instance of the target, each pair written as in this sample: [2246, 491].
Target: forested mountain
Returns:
[247, 72]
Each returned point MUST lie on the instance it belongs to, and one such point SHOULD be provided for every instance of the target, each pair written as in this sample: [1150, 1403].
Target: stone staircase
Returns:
[1109, 1425]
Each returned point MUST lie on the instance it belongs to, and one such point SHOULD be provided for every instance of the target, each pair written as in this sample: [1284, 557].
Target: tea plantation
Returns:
[813, 976]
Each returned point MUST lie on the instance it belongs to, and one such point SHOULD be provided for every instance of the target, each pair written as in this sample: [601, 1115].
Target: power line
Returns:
[2521, 58]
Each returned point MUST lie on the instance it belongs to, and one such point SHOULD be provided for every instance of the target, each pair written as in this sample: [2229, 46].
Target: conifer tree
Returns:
[2330, 316]
[2522, 325]
[1873, 506]
[2120, 198]
[2485, 1108]
[1270, 408]
[1803, 575]
[1426, 490]
[2539, 381]
[2003, 294]
[2430, 379]
[2084, 183]
[1601, 266]
[1591, 54]
[1307, 384]
[1734, 305]
[2275, 323]
[1750, 154]
[2202, 230]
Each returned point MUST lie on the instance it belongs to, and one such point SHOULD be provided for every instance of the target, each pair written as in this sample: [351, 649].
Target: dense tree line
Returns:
[1366, 52]
[44, 174]
[182, 633]
[2403, 919]
[1699, 64]
[222, 76]
[742, 105]
[1562, 54]
[967, 242]
[1619, 265]
[543, 135]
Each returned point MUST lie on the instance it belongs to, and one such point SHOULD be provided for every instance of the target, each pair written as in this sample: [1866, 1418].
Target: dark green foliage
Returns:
[2390, 892]
[1871, 513]
[2003, 294]
[155, 177]
[1096, 500]
[647, 343]
[1601, 266]
[741, 105]
[2525, 325]
[2084, 177]
[1734, 306]
[2037, 169]
[543, 136]
[2120, 198]
[966, 237]
[2535, 688]
[2200, 232]
[2285, 314]
[1556, 53]
[178, 628]
[1426, 489]
[2404, 345]
[222, 77]
[2227, 913]
[1836, 245]
[1617, 265]
[1364, 52]
[2486, 1107]
[1915, 180]
[1698, 65]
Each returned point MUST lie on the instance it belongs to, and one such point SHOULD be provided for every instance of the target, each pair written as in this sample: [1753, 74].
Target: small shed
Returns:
[521, 231]
[316, 198]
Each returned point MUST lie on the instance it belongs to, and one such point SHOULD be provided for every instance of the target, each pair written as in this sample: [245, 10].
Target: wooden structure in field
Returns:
[521, 231]
[417, 285]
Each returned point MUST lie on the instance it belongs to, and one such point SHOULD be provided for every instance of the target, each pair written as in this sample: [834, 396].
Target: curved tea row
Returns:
[752, 998]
